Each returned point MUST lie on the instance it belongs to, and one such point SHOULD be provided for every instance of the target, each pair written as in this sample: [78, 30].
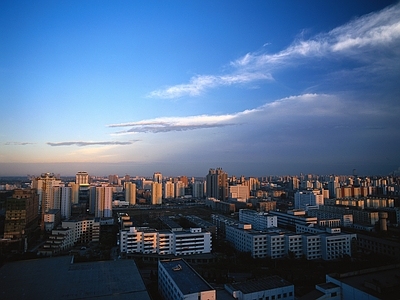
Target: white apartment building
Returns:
[276, 247]
[258, 220]
[294, 245]
[150, 241]
[177, 280]
[83, 231]
[244, 239]
[198, 189]
[311, 246]
[312, 242]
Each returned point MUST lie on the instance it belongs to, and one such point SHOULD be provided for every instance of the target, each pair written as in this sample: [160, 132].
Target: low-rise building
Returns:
[178, 280]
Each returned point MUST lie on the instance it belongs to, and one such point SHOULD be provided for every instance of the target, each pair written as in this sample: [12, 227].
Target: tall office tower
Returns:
[254, 184]
[157, 177]
[156, 193]
[294, 183]
[21, 218]
[103, 207]
[333, 184]
[113, 179]
[130, 193]
[44, 184]
[179, 189]
[169, 190]
[92, 200]
[217, 184]
[66, 196]
[75, 192]
[198, 189]
[82, 178]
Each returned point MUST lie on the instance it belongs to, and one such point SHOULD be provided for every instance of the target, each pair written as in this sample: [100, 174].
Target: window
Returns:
[334, 294]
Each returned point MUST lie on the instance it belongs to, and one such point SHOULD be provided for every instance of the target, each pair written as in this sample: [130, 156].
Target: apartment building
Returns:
[83, 231]
[258, 220]
[150, 241]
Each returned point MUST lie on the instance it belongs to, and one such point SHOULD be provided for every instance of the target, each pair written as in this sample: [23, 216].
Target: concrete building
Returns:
[306, 199]
[177, 280]
[239, 192]
[83, 231]
[157, 177]
[198, 190]
[293, 217]
[65, 201]
[177, 242]
[51, 219]
[179, 188]
[44, 185]
[103, 207]
[217, 184]
[82, 178]
[272, 287]
[130, 193]
[169, 190]
[258, 220]
[21, 215]
[156, 193]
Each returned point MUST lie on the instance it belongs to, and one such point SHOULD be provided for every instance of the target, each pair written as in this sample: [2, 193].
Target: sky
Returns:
[255, 87]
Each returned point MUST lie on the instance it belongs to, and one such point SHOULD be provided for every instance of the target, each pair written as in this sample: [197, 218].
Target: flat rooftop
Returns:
[57, 278]
[268, 283]
[185, 277]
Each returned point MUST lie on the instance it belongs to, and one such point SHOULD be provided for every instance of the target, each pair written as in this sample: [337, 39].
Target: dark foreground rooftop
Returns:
[57, 278]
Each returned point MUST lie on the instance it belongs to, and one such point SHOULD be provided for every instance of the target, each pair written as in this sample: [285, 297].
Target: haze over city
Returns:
[254, 87]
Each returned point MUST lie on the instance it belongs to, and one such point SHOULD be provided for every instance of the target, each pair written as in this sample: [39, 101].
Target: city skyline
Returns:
[181, 87]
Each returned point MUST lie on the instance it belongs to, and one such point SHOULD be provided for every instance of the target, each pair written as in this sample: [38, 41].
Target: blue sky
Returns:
[254, 87]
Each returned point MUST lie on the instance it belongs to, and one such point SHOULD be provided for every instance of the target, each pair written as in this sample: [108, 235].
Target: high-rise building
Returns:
[113, 179]
[21, 218]
[130, 193]
[157, 177]
[82, 178]
[198, 189]
[156, 193]
[45, 188]
[179, 189]
[308, 199]
[217, 184]
[169, 190]
[66, 195]
[104, 202]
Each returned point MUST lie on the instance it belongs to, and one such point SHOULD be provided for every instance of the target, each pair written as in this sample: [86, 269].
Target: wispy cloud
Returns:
[307, 104]
[369, 32]
[168, 124]
[200, 83]
[84, 144]
[18, 143]
[375, 31]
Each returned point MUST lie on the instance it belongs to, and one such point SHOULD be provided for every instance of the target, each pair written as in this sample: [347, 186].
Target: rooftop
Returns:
[268, 283]
[60, 279]
[185, 277]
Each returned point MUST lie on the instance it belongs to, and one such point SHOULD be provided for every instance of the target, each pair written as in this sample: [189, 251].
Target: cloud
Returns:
[84, 144]
[370, 33]
[199, 84]
[168, 124]
[307, 104]
[18, 143]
